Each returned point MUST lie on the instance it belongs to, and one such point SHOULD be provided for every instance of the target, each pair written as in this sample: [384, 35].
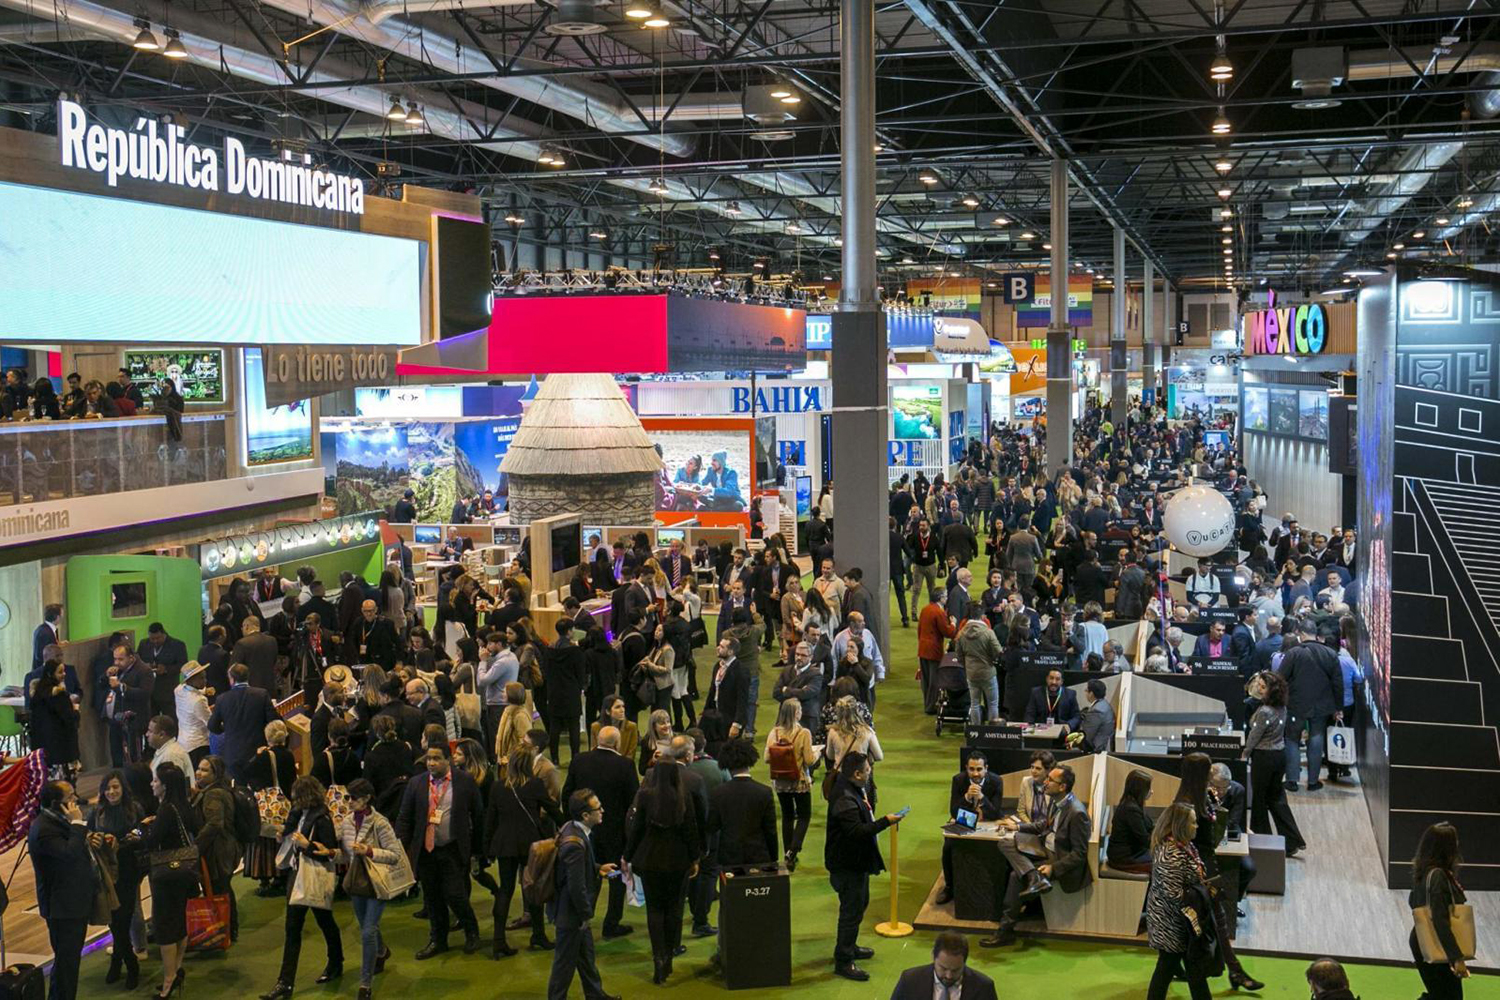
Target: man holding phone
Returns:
[851, 853]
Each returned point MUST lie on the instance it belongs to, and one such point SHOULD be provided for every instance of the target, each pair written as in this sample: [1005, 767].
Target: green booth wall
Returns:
[173, 596]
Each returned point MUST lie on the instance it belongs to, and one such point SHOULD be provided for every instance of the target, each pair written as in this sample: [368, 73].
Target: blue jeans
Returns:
[367, 910]
[754, 700]
[1317, 729]
[988, 692]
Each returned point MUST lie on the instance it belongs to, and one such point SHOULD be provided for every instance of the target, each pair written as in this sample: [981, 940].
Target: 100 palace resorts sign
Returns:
[152, 151]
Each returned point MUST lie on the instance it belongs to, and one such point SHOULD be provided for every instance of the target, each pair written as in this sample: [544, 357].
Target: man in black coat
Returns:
[125, 700]
[948, 972]
[577, 876]
[441, 823]
[729, 689]
[565, 674]
[65, 881]
[428, 707]
[371, 638]
[742, 811]
[851, 853]
[215, 657]
[614, 781]
[48, 633]
[1088, 578]
[978, 791]
[258, 652]
[241, 715]
[405, 510]
[166, 657]
[1315, 691]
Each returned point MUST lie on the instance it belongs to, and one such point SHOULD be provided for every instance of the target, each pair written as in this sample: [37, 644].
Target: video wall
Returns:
[273, 433]
[198, 375]
[707, 470]
[1288, 412]
[367, 466]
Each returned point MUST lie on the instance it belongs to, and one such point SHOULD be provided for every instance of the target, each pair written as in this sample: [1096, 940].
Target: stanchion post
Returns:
[894, 927]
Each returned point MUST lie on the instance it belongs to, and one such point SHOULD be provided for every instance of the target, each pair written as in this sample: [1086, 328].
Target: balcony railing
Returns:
[59, 459]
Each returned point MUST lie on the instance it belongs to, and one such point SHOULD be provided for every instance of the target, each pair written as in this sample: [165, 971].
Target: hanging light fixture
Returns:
[414, 117]
[145, 41]
[971, 201]
[1223, 166]
[1221, 69]
[733, 208]
[1227, 241]
[656, 21]
[1221, 124]
[544, 156]
[396, 112]
[781, 90]
[174, 48]
[638, 11]
[1441, 220]
[599, 234]
[791, 99]
[658, 187]
[557, 159]
[927, 177]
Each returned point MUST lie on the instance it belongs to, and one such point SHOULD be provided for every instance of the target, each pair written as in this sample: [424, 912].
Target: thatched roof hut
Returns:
[581, 448]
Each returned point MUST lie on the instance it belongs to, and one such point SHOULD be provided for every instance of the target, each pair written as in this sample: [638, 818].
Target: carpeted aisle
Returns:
[915, 772]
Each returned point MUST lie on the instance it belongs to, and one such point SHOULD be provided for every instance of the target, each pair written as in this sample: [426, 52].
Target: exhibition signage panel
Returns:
[1037, 312]
[296, 371]
[1018, 288]
[819, 333]
[1227, 745]
[1292, 330]
[988, 735]
[245, 554]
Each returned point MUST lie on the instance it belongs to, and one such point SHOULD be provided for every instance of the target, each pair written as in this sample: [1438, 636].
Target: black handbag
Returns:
[697, 633]
[357, 878]
[176, 859]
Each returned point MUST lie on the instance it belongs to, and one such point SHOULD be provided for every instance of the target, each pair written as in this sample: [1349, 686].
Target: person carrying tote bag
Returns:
[314, 846]
[372, 846]
[1442, 937]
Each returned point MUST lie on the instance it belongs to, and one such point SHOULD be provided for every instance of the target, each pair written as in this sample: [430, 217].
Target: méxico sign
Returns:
[1289, 330]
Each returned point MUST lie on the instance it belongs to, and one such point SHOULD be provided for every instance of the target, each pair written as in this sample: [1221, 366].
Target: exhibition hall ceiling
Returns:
[1356, 129]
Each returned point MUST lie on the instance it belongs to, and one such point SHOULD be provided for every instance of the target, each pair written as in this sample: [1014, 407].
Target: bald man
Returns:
[371, 638]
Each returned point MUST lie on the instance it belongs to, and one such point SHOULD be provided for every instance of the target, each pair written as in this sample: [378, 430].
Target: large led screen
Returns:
[198, 375]
[79, 267]
[272, 433]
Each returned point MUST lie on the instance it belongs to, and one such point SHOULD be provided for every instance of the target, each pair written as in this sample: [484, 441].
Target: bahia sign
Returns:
[1289, 330]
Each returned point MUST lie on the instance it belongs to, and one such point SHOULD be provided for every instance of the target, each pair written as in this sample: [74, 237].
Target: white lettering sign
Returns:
[161, 154]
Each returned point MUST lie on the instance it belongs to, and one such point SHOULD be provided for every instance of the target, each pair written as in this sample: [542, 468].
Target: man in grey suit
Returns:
[949, 974]
[1021, 555]
[257, 650]
[1060, 841]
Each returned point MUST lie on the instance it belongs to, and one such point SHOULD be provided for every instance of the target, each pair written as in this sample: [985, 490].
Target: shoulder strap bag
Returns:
[174, 859]
[1460, 920]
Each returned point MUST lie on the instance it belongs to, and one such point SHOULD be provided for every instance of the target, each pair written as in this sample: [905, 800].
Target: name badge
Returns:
[1049, 720]
[361, 649]
[435, 817]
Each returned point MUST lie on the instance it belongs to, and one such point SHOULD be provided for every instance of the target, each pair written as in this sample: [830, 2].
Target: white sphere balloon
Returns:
[1198, 520]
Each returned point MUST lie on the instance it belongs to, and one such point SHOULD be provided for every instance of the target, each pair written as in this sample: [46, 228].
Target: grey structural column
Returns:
[1169, 338]
[1149, 332]
[860, 407]
[1059, 333]
[1119, 357]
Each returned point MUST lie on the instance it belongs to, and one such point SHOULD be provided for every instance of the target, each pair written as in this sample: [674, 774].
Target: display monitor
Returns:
[508, 534]
[272, 433]
[567, 546]
[804, 497]
[1283, 416]
[592, 531]
[427, 534]
[1312, 414]
[198, 375]
[666, 536]
[916, 412]
[1257, 409]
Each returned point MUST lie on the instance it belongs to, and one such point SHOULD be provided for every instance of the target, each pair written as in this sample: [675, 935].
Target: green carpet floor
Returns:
[915, 772]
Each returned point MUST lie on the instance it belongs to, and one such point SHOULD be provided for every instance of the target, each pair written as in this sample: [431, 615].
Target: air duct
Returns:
[575, 17]
[1315, 71]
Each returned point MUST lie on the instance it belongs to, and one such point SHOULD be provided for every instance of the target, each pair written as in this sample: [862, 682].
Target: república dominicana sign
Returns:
[160, 153]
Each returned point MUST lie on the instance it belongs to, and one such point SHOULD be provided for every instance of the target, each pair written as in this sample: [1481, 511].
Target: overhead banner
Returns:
[1037, 313]
[244, 554]
[1293, 330]
[954, 296]
[297, 371]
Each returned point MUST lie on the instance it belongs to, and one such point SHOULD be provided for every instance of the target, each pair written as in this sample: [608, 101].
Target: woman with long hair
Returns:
[367, 834]
[1176, 869]
[851, 732]
[110, 824]
[1193, 789]
[657, 668]
[521, 811]
[387, 764]
[529, 665]
[515, 723]
[213, 805]
[1131, 826]
[613, 714]
[658, 734]
[843, 687]
[54, 721]
[677, 634]
[816, 610]
[44, 402]
[794, 794]
[393, 599]
[174, 826]
[314, 841]
[1435, 885]
[469, 756]
[663, 844]
[1265, 750]
[581, 587]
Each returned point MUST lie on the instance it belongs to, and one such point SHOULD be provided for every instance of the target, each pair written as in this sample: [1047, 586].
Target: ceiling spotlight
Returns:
[1226, 229]
[1398, 246]
[414, 116]
[557, 159]
[1226, 213]
[599, 234]
[791, 99]
[1225, 193]
[759, 265]
[1223, 166]
[1046, 246]
[1221, 125]
[927, 177]
[514, 219]
[1465, 202]
[658, 187]
[545, 156]
[1441, 220]
[971, 201]
[782, 90]
[1226, 240]
[1028, 235]
[638, 11]
[145, 41]
[827, 277]
[656, 21]
[794, 228]
[1001, 220]
[1228, 252]
[174, 49]
[1221, 68]
[713, 253]
[733, 208]
[1363, 272]
[396, 112]
[879, 148]
[1419, 234]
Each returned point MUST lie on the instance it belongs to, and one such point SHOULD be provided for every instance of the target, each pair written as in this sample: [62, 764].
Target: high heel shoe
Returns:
[382, 958]
[176, 986]
[1244, 981]
[281, 991]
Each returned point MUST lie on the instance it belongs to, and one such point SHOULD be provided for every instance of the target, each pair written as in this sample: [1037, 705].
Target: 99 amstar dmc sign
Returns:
[1290, 330]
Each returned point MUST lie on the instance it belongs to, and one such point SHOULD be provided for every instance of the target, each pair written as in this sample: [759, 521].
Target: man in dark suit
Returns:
[1315, 691]
[241, 714]
[318, 605]
[408, 720]
[978, 791]
[215, 657]
[258, 652]
[1260, 657]
[729, 689]
[736, 609]
[1055, 702]
[166, 657]
[282, 626]
[126, 701]
[947, 975]
[65, 881]
[677, 565]
[1060, 842]
[1232, 800]
[372, 638]
[577, 876]
[620, 560]
[419, 697]
[742, 811]
[441, 823]
[614, 781]
[851, 853]
[565, 674]
[1133, 589]
[48, 633]
[627, 600]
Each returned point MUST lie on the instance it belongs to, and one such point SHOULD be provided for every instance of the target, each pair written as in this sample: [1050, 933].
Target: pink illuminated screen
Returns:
[597, 333]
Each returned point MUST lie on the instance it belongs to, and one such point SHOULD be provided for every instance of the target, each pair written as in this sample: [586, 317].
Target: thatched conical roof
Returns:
[580, 425]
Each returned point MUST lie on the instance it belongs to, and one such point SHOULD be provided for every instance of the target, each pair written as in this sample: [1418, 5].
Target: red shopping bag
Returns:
[208, 919]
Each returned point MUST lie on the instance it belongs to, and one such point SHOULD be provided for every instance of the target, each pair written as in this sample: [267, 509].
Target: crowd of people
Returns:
[437, 761]
[24, 399]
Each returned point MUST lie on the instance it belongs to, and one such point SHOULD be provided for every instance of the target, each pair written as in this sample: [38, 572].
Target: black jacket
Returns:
[565, 675]
[388, 767]
[517, 816]
[1233, 802]
[64, 873]
[241, 714]
[653, 848]
[742, 812]
[216, 658]
[466, 822]
[379, 641]
[991, 789]
[166, 662]
[408, 721]
[258, 652]
[917, 984]
[1314, 679]
[1129, 834]
[576, 878]
[613, 779]
[850, 844]
[1065, 711]
[731, 696]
